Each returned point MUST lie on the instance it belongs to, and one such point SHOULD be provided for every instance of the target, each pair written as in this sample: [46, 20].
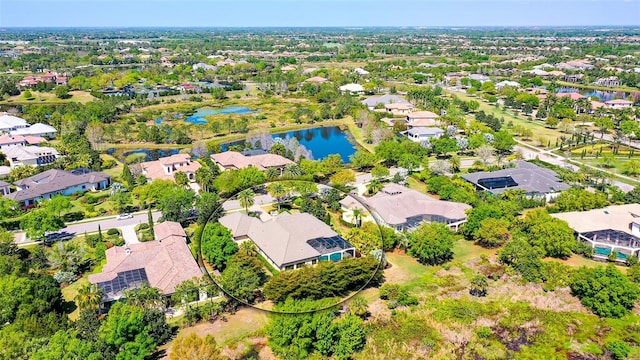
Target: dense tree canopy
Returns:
[432, 243]
[604, 290]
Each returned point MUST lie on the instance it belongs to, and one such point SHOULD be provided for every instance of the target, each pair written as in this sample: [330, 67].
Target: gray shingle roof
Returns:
[51, 181]
[528, 177]
[384, 99]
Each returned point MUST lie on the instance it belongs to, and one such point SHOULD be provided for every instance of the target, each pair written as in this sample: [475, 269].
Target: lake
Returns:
[198, 117]
[322, 141]
[603, 95]
[151, 154]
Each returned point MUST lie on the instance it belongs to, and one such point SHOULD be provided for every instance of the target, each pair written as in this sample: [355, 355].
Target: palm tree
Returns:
[246, 198]
[66, 256]
[89, 297]
[277, 190]
[357, 216]
[146, 297]
[292, 171]
[374, 186]
[359, 306]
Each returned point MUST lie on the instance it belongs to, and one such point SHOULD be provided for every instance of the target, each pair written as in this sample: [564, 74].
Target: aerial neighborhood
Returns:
[400, 193]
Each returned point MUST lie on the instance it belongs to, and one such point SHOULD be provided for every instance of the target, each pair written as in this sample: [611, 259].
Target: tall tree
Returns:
[127, 177]
[246, 198]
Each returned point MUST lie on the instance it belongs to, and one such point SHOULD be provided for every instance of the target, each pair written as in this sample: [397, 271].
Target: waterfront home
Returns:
[165, 168]
[618, 104]
[233, 160]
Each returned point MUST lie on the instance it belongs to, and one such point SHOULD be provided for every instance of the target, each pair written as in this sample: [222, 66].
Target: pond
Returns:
[198, 117]
[151, 154]
[321, 141]
[602, 95]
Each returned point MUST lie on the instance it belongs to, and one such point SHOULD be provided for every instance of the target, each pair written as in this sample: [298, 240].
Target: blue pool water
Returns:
[322, 141]
[198, 117]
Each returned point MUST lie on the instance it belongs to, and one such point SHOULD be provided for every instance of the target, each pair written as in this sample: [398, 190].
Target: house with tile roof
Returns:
[289, 241]
[165, 168]
[10, 123]
[372, 101]
[618, 104]
[233, 160]
[534, 180]
[57, 182]
[353, 89]
[37, 129]
[163, 263]
[7, 141]
[405, 209]
[613, 228]
[422, 119]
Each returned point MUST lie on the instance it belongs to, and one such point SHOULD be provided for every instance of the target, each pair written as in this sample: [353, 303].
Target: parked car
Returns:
[124, 216]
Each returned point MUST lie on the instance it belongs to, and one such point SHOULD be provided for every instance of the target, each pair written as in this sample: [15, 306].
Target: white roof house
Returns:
[352, 89]
[10, 123]
[30, 155]
[37, 129]
[361, 71]
[419, 134]
[506, 83]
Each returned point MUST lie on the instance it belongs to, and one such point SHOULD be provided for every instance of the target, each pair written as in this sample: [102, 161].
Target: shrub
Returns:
[484, 332]
[113, 231]
[606, 291]
[92, 240]
[73, 216]
[101, 248]
[118, 241]
[143, 226]
[619, 349]
[64, 277]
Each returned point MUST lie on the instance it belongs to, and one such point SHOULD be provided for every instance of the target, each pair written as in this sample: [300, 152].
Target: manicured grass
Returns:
[465, 250]
[115, 171]
[50, 98]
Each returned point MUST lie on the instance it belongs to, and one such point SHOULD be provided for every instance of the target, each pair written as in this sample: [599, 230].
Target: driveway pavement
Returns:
[105, 223]
[129, 234]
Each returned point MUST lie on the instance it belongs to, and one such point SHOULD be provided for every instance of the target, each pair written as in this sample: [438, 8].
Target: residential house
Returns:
[163, 263]
[316, 80]
[534, 180]
[506, 83]
[611, 81]
[420, 134]
[4, 188]
[57, 182]
[479, 77]
[399, 108]
[7, 141]
[613, 228]
[361, 71]
[165, 168]
[422, 119]
[574, 96]
[618, 104]
[30, 155]
[373, 101]
[353, 89]
[10, 123]
[405, 209]
[232, 160]
[289, 241]
[37, 129]
[204, 67]
[574, 78]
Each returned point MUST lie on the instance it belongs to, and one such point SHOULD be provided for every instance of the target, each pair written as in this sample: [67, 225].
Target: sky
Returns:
[326, 13]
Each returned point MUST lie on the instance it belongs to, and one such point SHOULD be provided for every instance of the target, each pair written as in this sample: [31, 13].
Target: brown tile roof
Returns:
[317, 79]
[168, 228]
[573, 95]
[167, 263]
[156, 169]
[237, 160]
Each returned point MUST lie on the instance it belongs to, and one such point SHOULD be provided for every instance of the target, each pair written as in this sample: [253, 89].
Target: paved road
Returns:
[105, 223]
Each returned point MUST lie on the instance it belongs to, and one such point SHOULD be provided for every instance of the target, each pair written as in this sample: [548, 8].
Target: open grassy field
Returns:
[50, 98]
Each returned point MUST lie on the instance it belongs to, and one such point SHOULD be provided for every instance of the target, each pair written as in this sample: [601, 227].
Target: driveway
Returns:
[91, 225]
[129, 234]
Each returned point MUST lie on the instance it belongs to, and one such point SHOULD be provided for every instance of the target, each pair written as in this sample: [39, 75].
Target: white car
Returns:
[124, 216]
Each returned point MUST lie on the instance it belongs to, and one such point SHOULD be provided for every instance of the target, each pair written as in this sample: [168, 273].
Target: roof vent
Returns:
[606, 212]
[127, 251]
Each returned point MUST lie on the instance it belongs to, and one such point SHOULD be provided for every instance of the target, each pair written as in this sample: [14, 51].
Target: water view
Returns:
[602, 95]
[321, 141]
[151, 154]
[198, 117]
